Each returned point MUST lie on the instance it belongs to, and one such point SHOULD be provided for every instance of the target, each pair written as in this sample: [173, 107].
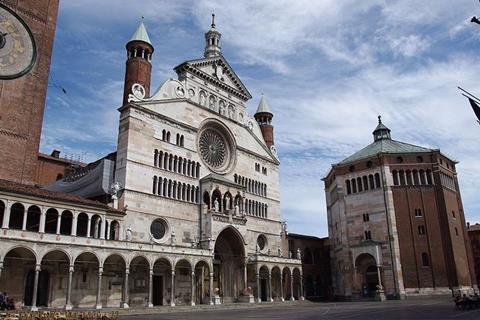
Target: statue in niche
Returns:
[280, 253]
[203, 98]
[212, 103]
[299, 254]
[216, 205]
[227, 202]
[237, 209]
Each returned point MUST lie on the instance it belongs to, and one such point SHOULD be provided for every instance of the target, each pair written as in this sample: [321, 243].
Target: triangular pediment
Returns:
[216, 71]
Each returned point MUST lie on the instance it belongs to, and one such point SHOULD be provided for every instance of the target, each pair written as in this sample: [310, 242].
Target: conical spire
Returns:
[212, 41]
[141, 34]
[381, 131]
[263, 106]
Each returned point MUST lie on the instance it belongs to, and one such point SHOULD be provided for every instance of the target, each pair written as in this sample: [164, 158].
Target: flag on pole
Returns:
[476, 108]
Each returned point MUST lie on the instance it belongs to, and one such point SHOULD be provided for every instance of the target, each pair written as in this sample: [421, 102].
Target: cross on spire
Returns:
[213, 20]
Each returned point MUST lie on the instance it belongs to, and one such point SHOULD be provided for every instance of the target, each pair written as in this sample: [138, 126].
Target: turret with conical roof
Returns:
[138, 66]
[212, 41]
[381, 131]
[264, 118]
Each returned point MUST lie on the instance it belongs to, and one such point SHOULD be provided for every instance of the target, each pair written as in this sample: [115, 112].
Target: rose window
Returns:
[213, 148]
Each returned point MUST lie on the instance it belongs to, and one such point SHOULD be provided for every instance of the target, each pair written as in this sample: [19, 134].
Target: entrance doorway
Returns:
[229, 265]
[157, 290]
[366, 267]
[263, 290]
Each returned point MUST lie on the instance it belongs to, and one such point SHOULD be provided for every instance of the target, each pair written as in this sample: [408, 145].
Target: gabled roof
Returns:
[384, 146]
[220, 179]
[194, 66]
[141, 34]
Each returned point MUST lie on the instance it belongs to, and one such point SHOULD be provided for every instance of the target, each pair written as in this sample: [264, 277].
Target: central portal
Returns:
[229, 265]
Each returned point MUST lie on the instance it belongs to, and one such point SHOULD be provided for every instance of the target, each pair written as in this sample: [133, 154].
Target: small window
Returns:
[351, 169]
[418, 213]
[425, 260]
[369, 164]
[399, 159]
[453, 214]
[456, 231]
[158, 229]
[419, 159]
[261, 242]
[421, 230]
[366, 217]
[368, 235]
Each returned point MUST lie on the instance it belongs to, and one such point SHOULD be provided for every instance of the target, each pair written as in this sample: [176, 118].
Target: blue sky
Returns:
[327, 67]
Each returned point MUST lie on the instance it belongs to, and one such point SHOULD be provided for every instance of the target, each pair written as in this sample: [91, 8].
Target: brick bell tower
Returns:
[264, 118]
[139, 67]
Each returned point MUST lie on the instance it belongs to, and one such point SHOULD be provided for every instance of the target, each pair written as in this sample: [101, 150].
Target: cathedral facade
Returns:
[192, 210]
[396, 223]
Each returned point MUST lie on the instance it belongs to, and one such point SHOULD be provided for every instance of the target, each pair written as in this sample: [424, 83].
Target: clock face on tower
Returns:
[17, 46]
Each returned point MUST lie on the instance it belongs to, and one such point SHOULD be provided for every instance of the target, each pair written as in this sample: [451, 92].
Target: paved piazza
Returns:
[437, 308]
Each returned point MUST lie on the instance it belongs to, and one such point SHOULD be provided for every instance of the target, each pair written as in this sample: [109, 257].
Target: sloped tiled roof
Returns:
[385, 146]
[28, 190]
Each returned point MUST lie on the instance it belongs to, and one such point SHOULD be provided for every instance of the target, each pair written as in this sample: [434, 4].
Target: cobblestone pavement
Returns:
[434, 308]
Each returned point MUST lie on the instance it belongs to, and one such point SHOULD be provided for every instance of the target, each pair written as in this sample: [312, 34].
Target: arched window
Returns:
[114, 230]
[377, 181]
[423, 180]
[354, 186]
[165, 161]
[2, 212]
[206, 199]
[168, 136]
[82, 224]
[66, 223]
[155, 184]
[408, 173]
[395, 177]
[155, 157]
[59, 176]
[170, 162]
[371, 181]
[164, 135]
[416, 181]
[359, 184]
[365, 183]
[349, 189]
[182, 141]
[95, 226]
[429, 177]
[177, 140]
[16, 216]
[51, 220]
[33, 218]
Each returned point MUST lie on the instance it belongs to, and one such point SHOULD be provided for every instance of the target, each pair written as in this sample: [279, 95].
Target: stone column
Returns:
[24, 223]
[108, 229]
[6, 215]
[172, 294]
[74, 224]
[270, 298]
[301, 297]
[35, 287]
[125, 290]
[259, 296]
[1, 269]
[292, 298]
[102, 228]
[193, 288]
[245, 275]
[59, 221]
[43, 216]
[98, 304]
[89, 226]
[211, 288]
[380, 293]
[68, 304]
[281, 286]
[150, 289]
